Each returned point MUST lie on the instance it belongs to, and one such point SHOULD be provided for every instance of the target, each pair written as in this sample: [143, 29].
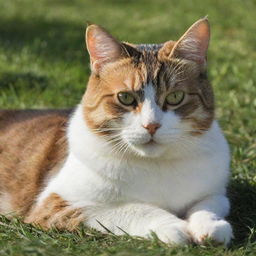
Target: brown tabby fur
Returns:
[33, 144]
[32, 148]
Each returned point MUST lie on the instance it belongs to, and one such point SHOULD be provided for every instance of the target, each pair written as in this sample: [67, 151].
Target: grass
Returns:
[43, 64]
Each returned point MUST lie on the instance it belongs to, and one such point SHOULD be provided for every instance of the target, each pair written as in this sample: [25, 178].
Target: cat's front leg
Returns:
[206, 220]
[138, 220]
[133, 218]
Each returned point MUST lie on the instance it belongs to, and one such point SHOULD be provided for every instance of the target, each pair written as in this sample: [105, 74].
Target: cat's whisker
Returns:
[126, 148]
[100, 130]
[119, 150]
[117, 146]
[112, 142]
[108, 135]
[122, 146]
[109, 138]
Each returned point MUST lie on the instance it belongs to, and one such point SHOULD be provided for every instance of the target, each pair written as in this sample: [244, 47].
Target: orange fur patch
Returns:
[32, 149]
[55, 212]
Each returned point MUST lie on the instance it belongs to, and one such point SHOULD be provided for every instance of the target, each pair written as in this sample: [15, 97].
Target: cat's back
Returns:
[11, 118]
[32, 147]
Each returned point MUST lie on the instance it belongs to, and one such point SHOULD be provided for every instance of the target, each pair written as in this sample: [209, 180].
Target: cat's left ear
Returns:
[193, 44]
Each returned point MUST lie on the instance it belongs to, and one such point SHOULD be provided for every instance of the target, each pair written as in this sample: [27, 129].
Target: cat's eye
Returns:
[175, 98]
[126, 98]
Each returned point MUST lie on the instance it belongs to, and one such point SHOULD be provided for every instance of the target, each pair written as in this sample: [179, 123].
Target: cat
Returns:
[141, 154]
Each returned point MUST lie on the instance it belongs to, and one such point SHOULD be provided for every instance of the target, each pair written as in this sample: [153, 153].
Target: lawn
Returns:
[44, 64]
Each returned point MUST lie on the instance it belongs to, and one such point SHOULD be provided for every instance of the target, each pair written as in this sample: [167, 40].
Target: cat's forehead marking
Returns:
[147, 68]
[161, 74]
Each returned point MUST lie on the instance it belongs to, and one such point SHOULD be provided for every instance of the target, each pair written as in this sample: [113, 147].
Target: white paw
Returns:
[219, 231]
[175, 233]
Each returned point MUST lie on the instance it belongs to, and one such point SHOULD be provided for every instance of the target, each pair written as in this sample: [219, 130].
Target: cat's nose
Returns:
[152, 127]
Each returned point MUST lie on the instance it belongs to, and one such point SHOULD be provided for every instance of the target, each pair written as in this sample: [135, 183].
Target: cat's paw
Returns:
[220, 231]
[175, 233]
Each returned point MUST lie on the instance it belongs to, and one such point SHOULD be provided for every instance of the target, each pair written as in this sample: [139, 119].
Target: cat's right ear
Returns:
[103, 48]
[192, 45]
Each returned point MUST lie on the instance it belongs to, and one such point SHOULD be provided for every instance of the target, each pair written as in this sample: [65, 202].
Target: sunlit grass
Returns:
[43, 64]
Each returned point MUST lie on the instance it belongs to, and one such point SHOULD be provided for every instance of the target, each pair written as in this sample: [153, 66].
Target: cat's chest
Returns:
[172, 186]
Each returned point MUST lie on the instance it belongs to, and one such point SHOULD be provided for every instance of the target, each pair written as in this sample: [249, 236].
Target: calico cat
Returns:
[141, 153]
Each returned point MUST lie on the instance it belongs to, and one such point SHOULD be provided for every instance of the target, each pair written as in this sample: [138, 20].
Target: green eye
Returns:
[175, 98]
[126, 98]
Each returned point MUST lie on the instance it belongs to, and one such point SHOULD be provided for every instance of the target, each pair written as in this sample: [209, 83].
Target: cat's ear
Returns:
[193, 44]
[103, 48]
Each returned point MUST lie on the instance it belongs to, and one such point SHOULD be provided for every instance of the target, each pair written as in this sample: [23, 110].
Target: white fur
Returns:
[150, 186]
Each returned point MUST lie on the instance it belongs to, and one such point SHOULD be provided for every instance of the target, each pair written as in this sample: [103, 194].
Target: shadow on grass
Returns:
[53, 40]
[243, 210]
[23, 81]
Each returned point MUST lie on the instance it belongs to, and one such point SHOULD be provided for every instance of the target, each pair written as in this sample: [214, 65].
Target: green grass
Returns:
[43, 63]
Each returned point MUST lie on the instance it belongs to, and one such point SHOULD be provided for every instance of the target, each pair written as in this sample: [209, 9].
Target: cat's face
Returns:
[147, 99]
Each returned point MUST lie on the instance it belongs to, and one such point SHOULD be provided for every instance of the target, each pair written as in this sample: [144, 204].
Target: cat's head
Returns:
[147, 98]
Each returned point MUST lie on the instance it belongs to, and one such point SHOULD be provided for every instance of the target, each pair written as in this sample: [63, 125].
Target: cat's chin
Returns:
[150, 149]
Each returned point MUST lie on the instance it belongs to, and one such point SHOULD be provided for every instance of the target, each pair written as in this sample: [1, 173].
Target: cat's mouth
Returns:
[149, 149]
[151, 142]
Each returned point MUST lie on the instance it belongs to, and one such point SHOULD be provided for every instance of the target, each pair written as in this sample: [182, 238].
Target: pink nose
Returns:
[152, 127]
